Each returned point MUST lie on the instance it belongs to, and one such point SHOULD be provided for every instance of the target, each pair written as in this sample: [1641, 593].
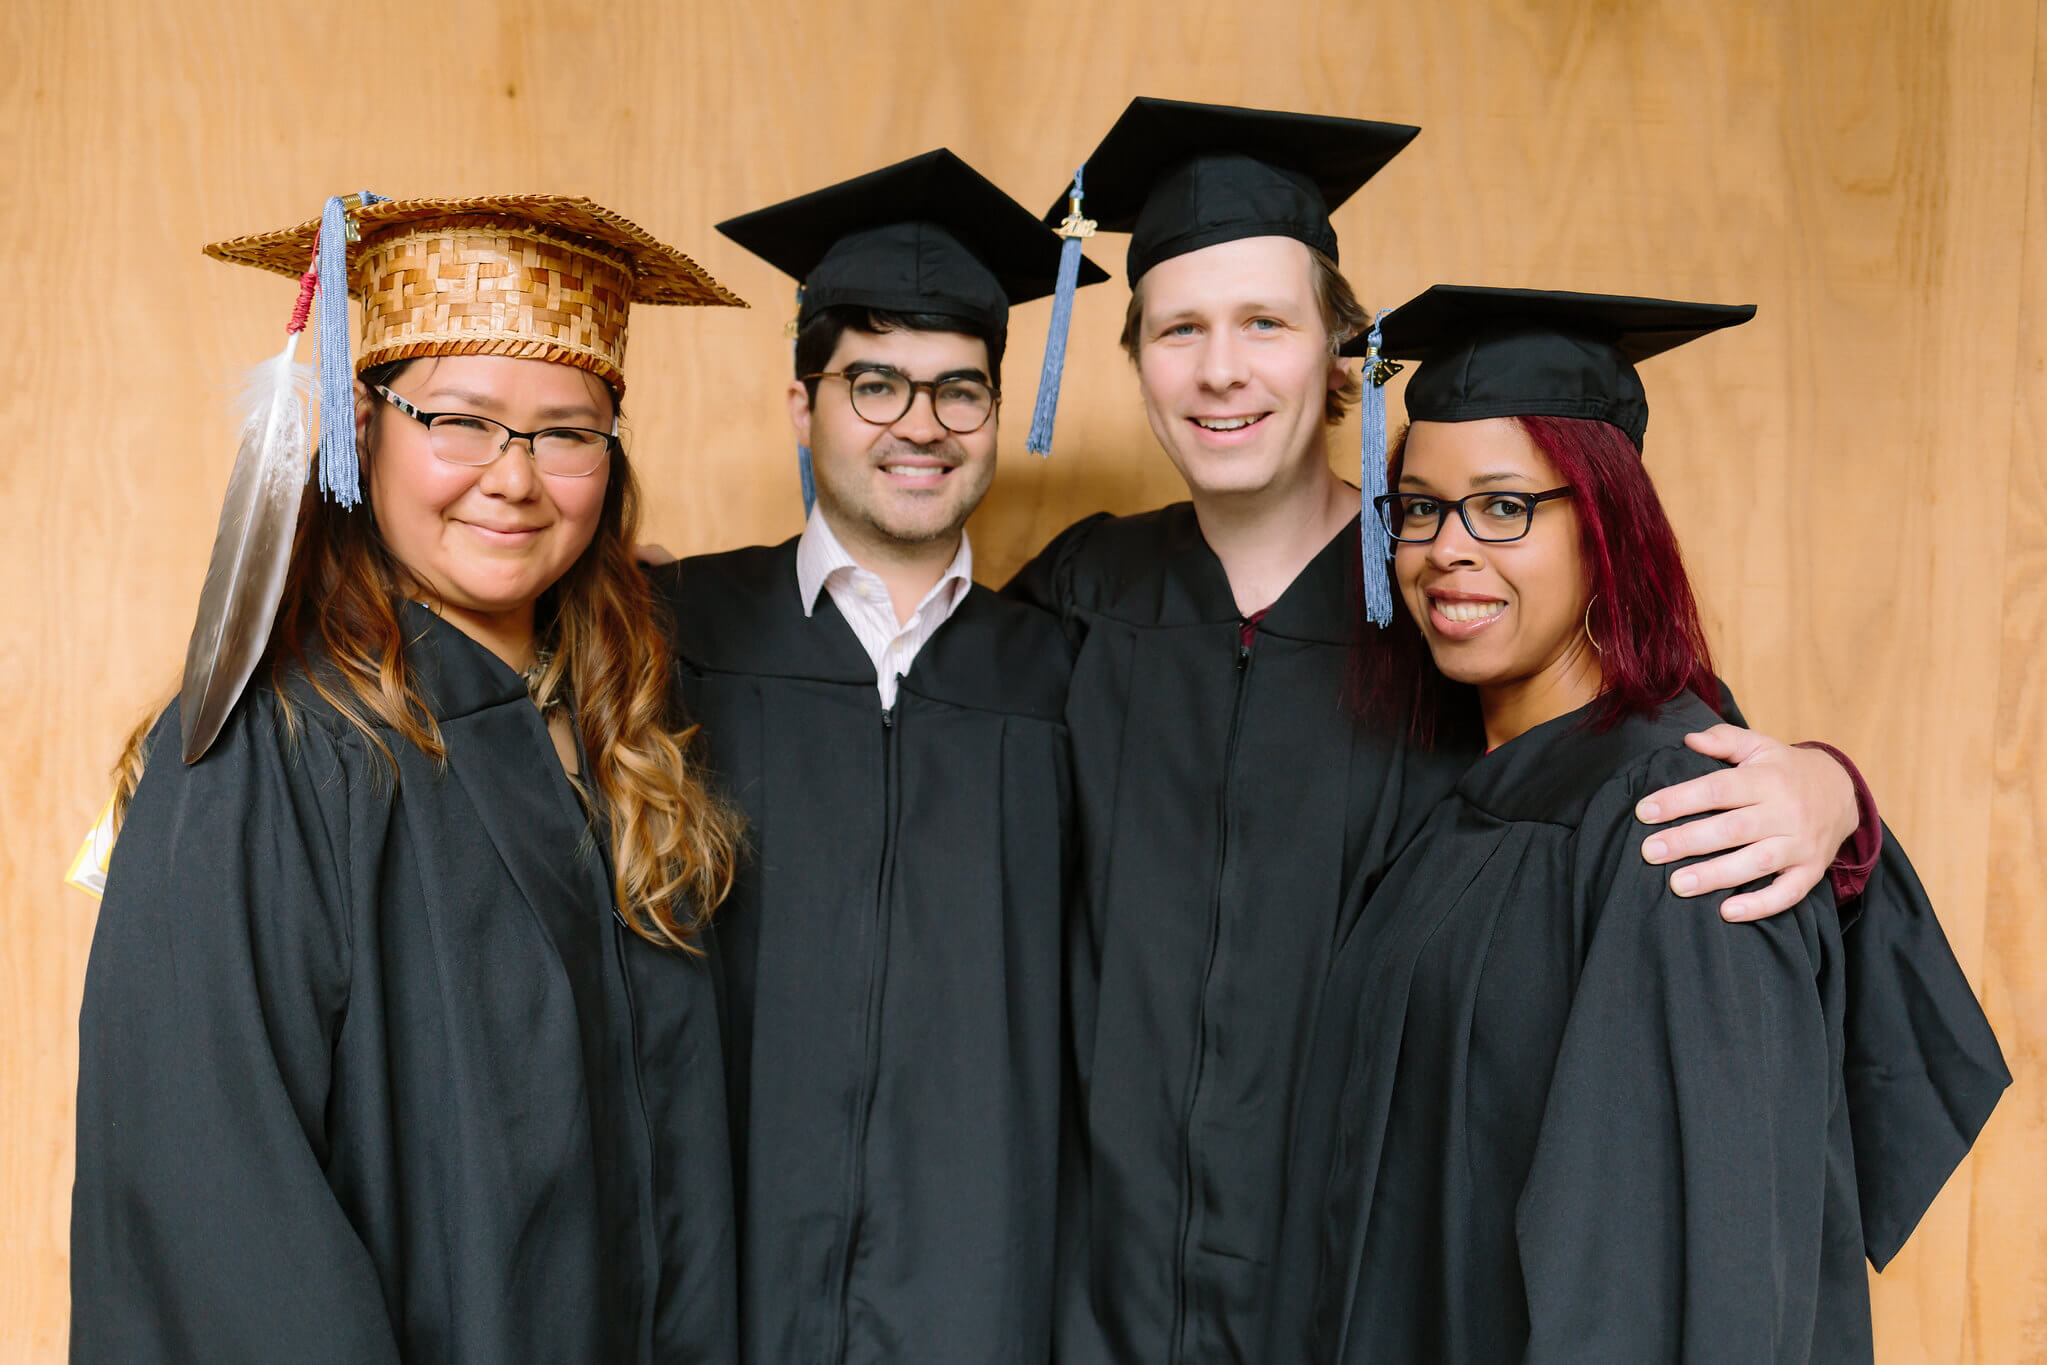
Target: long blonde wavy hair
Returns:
[674, 844]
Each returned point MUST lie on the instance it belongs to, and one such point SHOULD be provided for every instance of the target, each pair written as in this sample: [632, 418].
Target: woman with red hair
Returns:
[1552, 1112]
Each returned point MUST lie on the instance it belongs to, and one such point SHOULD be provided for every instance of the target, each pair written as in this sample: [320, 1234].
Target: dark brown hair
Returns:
[820, 333]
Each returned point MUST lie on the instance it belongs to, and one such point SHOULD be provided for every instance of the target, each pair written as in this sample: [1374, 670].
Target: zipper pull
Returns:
[888, 718]
[1243, 657]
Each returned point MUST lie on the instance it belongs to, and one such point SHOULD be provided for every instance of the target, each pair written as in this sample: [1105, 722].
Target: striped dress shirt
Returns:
[822, 564]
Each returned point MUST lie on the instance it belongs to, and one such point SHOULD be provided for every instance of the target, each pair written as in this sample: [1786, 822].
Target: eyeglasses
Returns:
[961, 403]
[1417, 518]
[466, 439]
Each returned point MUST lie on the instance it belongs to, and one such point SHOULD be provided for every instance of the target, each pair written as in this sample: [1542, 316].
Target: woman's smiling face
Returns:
[485, 540]
[1494, 614]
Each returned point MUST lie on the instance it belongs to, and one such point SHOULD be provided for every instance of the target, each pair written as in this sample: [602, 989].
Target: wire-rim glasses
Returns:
[463, 438]
[1495, 517]
[961, 403]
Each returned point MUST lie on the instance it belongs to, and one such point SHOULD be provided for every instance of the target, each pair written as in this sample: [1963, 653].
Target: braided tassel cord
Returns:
[1075, 229]
[1376, 544]
[806, 474]
[808, 477]
[340, 473]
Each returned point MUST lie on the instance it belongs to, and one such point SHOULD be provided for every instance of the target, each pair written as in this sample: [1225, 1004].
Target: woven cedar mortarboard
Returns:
[546, 277]
[530, 276]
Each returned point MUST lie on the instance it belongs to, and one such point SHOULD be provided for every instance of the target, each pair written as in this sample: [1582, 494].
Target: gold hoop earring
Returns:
[1588, 626]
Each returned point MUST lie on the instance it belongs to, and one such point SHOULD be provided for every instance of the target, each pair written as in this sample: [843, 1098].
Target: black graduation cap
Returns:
[1512, 353]
[926, 235]
[1537, 352]
[1178, 177]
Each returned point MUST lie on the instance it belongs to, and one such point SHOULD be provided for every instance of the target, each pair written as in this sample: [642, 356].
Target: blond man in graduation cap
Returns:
[398, 1041]
[1229, 795]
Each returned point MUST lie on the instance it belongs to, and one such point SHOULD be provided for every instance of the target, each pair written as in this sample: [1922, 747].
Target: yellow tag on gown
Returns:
[89, 869]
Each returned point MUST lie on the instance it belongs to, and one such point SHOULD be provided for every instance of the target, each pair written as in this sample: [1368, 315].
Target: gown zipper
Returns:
[1176, 1350]
[869, 1077]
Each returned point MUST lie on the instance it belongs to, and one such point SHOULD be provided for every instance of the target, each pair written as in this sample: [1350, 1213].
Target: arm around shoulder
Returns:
[1046, 582]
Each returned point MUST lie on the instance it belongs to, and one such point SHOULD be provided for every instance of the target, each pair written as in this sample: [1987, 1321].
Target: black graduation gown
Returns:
[892, 958]
[1233, 815]
[372, 1072]
[1227, 798]
[1553, 1112]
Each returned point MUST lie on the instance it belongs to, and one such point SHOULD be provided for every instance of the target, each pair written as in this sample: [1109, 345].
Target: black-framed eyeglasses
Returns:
[1494, 517]
[961, 403]
[464, 438]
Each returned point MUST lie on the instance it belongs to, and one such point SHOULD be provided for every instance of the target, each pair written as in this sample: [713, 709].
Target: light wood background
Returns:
[1860, 476]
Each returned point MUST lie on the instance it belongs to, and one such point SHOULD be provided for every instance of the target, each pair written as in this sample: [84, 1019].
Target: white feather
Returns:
[245, 576]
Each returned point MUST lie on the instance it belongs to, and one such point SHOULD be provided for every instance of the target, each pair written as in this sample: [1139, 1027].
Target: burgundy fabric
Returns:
[1857, 858]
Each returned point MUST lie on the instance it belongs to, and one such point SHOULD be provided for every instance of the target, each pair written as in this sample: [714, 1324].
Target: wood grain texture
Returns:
[1860, 476]
[2007, 1250]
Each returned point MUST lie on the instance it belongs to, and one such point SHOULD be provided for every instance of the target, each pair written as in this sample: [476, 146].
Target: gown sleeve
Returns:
[1923, 1068]
[1675, 1206]
[203, 1227]
[1047, 581]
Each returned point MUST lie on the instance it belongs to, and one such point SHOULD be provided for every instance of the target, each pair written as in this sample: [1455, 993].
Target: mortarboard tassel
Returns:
[805, 473]
[340, 473]
[808, 478]
[1074, 230]
[1377, 545]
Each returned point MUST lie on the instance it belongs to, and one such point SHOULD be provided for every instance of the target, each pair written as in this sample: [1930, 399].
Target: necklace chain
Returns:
[533, 675]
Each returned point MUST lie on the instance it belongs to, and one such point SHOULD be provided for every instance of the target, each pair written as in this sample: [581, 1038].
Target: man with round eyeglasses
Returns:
[902, 443]
[891, 955]
[881, 397]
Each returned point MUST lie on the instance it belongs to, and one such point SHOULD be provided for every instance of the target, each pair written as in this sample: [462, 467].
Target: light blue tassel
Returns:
[808, 477]
[1074, 229]
[340, 472]
[1377, 545]
[805, 474]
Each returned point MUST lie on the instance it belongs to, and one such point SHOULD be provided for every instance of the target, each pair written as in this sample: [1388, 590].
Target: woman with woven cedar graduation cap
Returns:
[1548, 1113]
[1226, 795]
[893, 735]
[397, 1042]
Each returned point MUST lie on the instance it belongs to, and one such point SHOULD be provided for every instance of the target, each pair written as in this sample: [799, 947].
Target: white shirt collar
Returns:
[820, 556]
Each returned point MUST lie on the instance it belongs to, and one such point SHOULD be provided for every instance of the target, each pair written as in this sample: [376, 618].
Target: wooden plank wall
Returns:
[1860, 476]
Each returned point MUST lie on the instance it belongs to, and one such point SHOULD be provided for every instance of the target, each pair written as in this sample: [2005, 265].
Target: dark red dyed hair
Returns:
[1644, 616]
